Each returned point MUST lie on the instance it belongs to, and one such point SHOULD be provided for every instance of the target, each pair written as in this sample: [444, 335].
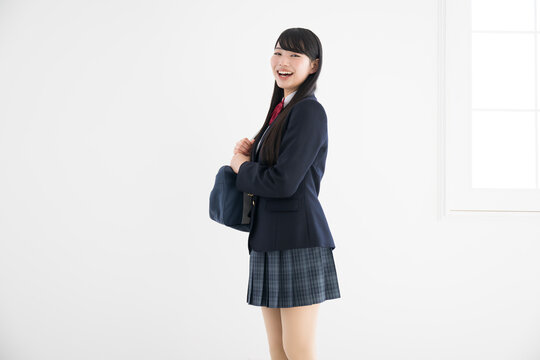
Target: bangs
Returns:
[292, 42]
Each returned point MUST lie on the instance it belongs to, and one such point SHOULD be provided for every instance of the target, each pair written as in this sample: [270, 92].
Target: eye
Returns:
[277, 53]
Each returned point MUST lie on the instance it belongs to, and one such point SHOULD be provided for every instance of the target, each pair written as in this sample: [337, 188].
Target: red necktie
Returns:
[277, 109]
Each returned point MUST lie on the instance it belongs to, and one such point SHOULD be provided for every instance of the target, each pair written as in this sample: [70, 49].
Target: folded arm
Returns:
[303, 137]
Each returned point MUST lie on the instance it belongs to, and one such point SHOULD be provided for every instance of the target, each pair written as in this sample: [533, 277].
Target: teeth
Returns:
[281, 72]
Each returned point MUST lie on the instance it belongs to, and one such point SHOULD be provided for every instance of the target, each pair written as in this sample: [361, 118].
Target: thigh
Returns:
[272, 322]
[299, 326]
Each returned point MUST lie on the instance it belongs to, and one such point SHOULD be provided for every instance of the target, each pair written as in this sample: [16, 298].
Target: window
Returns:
[489, 57]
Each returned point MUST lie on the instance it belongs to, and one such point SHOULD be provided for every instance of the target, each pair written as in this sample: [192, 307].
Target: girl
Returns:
[292, 268]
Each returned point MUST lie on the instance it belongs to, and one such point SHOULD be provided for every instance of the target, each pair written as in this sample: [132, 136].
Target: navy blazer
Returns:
[287, 212]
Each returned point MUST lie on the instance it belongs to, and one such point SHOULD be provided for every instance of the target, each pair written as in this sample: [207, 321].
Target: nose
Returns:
[282, 62]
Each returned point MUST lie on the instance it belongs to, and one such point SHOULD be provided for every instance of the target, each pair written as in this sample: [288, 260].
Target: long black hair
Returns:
[297, 40]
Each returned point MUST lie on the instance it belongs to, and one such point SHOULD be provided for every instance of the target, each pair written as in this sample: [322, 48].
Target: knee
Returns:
[277, 353]
[299, 350]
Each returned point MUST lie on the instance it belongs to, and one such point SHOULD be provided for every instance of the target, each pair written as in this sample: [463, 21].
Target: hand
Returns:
[237, 160]
[243, 146]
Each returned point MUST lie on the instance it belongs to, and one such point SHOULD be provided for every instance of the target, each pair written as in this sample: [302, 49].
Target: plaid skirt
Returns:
[293, 277]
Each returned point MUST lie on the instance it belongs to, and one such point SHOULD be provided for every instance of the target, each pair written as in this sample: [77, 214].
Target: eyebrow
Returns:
[278, 48]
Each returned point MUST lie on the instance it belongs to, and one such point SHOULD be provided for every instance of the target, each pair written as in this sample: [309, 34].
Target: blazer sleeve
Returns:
[303, 137]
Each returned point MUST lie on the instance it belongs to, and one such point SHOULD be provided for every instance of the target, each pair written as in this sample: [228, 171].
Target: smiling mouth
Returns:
[284, 76]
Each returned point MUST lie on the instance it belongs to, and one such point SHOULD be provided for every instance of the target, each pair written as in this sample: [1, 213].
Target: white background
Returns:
[114, 119]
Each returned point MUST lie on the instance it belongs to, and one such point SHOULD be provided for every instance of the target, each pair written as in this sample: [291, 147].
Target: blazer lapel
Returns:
[254, 152]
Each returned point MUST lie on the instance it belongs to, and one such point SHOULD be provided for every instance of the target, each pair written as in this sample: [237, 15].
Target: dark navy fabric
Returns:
[294, 277]
[287, 212]
[227, 204]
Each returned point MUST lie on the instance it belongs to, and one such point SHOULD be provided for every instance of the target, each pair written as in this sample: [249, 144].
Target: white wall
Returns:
[114, 118]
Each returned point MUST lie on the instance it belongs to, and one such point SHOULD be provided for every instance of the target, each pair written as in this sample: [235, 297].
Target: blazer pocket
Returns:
[282, 204]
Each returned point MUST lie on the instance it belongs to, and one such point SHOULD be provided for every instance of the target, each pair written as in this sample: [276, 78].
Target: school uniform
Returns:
[290, 244]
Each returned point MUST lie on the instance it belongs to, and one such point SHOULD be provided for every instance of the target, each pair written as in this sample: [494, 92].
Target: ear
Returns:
[314, 66]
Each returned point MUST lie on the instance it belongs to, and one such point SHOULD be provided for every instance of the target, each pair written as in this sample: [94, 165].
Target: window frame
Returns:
[454, 110]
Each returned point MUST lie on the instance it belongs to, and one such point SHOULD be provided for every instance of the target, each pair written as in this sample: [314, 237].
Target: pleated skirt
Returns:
[293, 277]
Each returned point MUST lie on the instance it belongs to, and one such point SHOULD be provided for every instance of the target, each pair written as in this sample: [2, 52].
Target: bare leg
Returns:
[299, 331]
[272, 321]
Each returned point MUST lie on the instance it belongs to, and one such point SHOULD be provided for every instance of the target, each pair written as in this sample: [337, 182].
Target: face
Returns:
[298, 64]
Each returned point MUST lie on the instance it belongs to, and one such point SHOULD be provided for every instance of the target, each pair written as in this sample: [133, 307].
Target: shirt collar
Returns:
[288, 98]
